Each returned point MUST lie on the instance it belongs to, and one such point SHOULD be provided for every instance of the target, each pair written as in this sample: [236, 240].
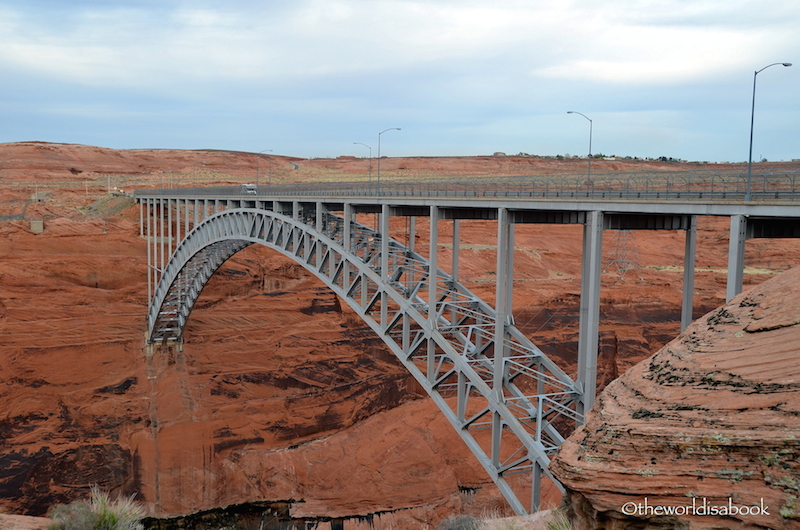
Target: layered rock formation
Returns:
[709, 426]
[23, 522]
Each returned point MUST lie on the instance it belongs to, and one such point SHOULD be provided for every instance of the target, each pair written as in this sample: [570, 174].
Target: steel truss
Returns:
[511, 404]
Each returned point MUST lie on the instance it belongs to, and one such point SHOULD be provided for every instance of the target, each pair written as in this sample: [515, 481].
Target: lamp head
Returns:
[787, 64]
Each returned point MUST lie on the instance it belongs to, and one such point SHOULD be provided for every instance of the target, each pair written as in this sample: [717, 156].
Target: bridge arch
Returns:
[510, 404]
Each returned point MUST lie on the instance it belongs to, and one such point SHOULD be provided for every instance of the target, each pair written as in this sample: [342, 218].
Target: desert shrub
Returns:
[460, 522]
[99, 513]
[74, 516]
[559, 520]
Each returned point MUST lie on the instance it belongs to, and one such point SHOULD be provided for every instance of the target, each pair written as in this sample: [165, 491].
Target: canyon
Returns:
[711, 420]
[281, 395]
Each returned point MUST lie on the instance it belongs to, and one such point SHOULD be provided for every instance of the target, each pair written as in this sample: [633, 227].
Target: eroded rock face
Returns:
[713, 417]
[280, 394]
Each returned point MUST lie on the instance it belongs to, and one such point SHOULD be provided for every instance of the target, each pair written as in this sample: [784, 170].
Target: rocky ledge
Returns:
[23, 522]
[704, 434]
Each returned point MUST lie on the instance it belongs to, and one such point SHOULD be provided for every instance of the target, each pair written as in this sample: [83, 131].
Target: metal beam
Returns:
[736, 241]
[456, 244]
[640, 221]
[149, 240]
[689, 254]
[501, 300]
[589, 329]
[384, 231]
[433, 299]
[773, 228]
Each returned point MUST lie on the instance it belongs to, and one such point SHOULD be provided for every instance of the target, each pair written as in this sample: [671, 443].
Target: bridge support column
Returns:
[454, 267]
[589, 326]
[384, 230]
[433, 264]
[295, 234]
[160, 242]
[148, 238]
[169, 228]
[456, 243]
[149, 347]
[320, 213]
[320, 227]
[346, 243]
[738, 236]
[186, 216]
[536, 487]
[688, 273]
[178, 222]
[504, 276]
[412, 236]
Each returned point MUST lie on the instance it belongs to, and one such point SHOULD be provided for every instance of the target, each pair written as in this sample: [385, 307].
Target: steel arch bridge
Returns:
[511, 405]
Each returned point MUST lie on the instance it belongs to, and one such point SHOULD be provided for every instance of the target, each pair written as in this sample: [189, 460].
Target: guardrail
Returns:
[729, 186]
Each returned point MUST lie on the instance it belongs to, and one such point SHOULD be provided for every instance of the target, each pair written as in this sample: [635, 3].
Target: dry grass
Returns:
[544, 520]
[100, 512]
[554, 519]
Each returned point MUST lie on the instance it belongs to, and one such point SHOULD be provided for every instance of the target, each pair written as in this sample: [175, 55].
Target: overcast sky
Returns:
[309, 78]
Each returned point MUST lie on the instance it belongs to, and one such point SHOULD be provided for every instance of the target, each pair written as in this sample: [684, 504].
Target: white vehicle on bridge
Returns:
[249, 189]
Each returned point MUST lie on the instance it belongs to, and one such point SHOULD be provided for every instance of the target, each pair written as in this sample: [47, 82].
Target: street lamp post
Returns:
[589, 173]
[370, 159]
[257, 159]
[379, 156]
[752, 119]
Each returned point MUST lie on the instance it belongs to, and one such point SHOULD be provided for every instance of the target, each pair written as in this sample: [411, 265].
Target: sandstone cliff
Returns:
[713, 417]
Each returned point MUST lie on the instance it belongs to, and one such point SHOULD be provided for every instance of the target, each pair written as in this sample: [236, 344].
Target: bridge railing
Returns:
[703, 185]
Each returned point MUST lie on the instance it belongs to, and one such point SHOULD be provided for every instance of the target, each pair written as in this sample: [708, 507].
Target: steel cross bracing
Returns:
[450, 348]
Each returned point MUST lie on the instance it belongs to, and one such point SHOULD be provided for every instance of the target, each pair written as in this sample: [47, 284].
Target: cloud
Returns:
[469, 70]
[666, 42]
[312, 39]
